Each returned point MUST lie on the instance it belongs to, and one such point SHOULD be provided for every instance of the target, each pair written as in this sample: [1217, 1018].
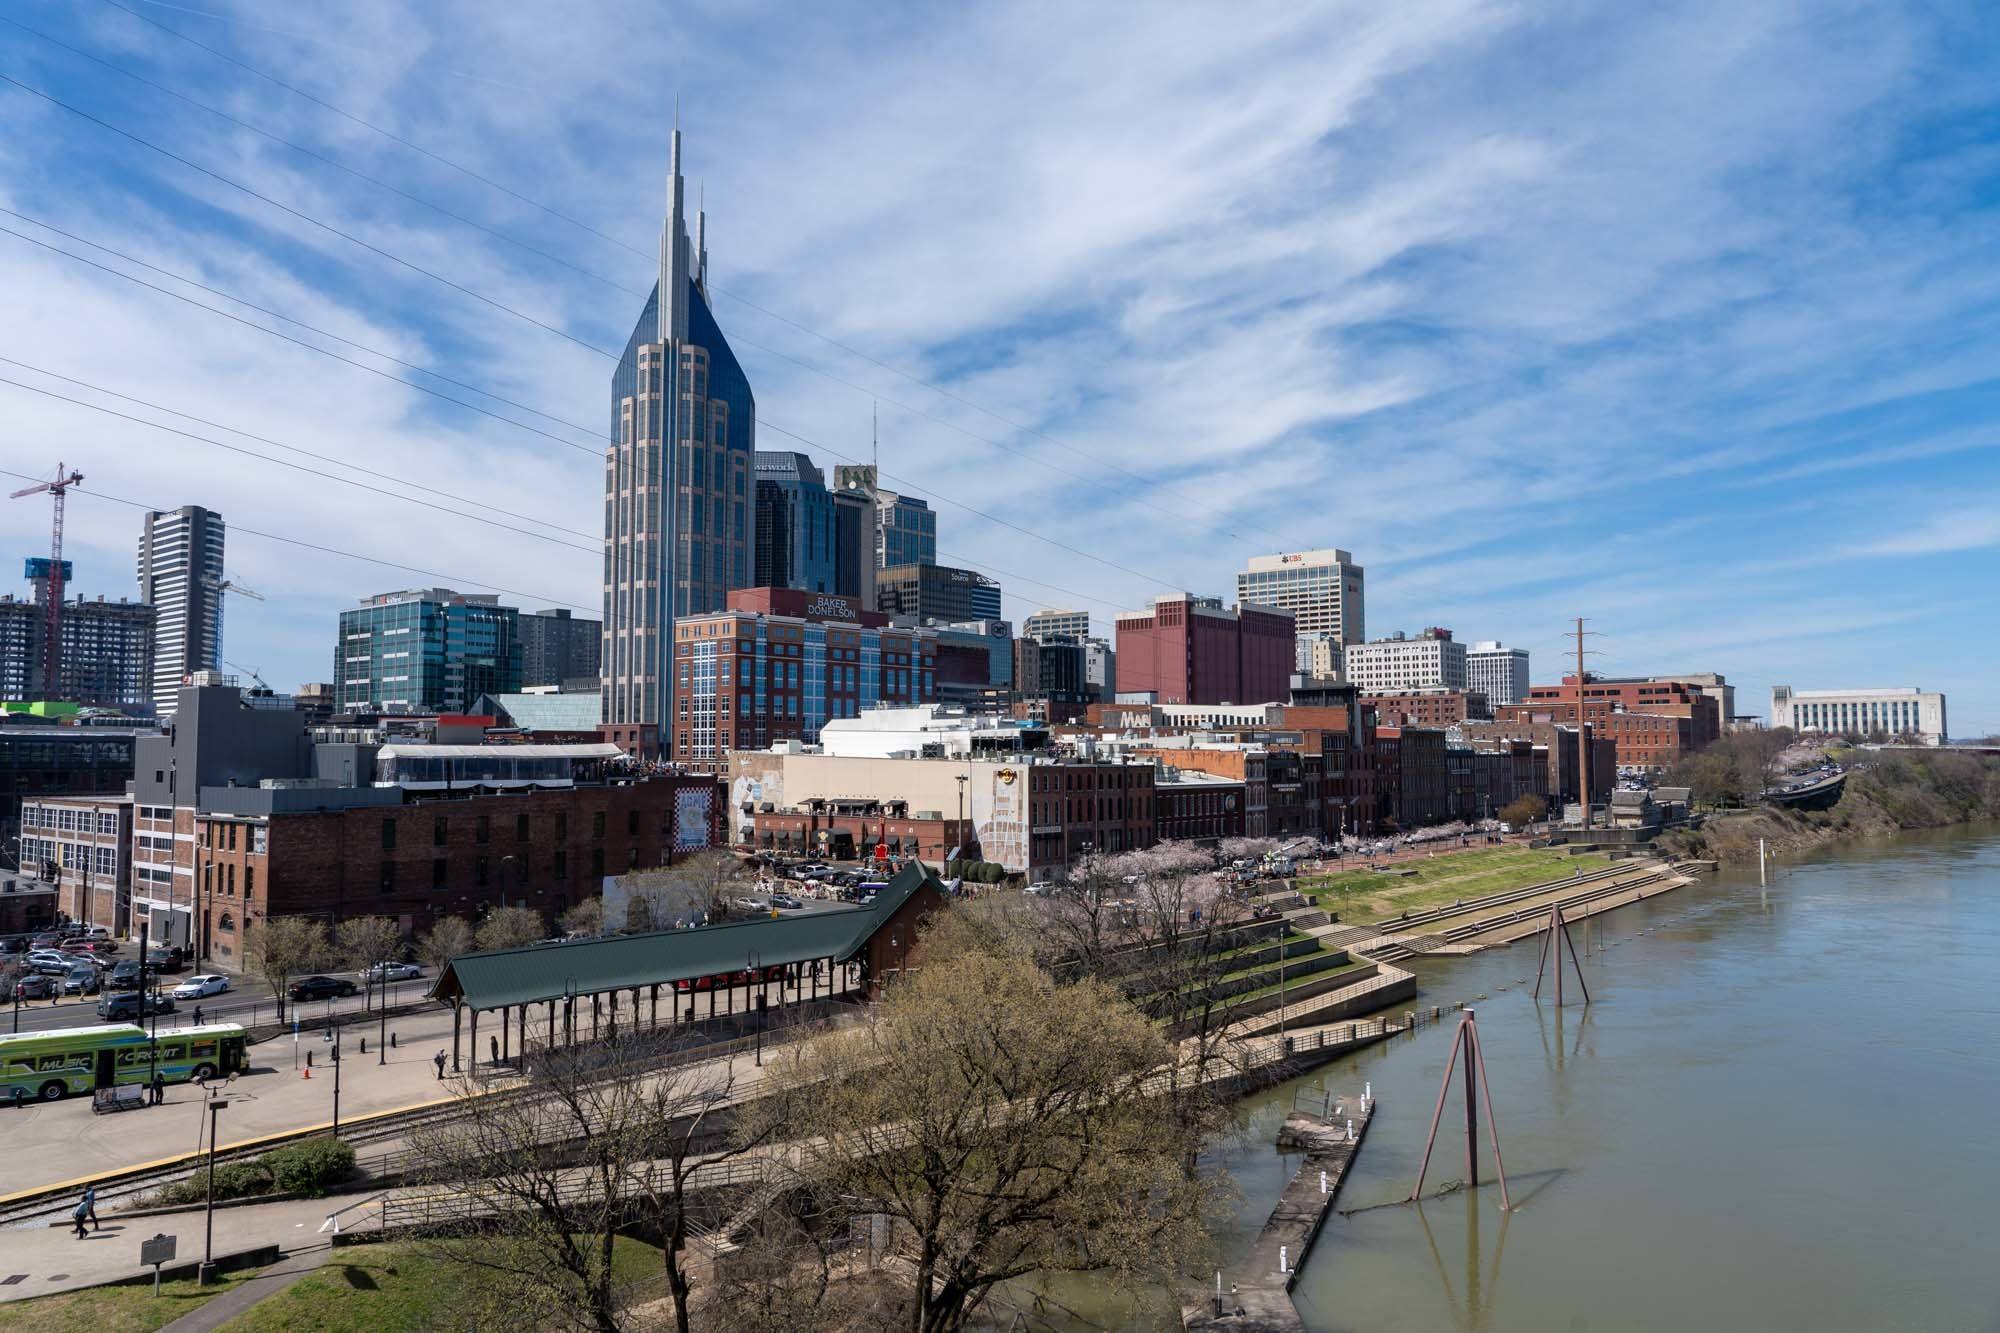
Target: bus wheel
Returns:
[203, 1073]
[54, 1090]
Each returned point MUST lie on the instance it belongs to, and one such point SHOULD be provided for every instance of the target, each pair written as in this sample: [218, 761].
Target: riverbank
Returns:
[1886, 794]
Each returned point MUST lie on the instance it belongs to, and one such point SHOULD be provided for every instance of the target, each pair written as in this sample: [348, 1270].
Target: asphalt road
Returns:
[245, 1002]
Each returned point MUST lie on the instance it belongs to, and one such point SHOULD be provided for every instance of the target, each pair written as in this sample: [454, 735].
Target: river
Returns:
[1781, 1111]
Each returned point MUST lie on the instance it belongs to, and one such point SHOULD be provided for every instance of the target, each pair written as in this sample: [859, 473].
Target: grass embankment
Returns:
[1885, 794]
[1364, 897]
[371, 1288]
[126, 1309]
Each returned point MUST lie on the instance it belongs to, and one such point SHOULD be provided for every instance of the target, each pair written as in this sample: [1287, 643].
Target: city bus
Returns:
[51, 1065]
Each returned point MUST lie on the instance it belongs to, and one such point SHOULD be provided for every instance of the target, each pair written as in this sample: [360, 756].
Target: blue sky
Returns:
[1679, 317]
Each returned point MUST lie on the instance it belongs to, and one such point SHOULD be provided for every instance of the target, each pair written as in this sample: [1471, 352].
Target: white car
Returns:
[394, 972]
[201, 987]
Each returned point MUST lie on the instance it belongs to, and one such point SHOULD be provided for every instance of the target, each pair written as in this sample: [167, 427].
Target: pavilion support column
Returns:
[656, 1004]
[552, 1025]
[711, 998]
[506, 1036]
[521, 1051]
[475, 1041]
[596, 1013]
[457, 1014]
[614, 1015]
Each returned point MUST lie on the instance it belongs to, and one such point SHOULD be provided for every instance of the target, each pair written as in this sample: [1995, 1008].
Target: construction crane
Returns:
[230, 584]
[52, 613]
[252, 673]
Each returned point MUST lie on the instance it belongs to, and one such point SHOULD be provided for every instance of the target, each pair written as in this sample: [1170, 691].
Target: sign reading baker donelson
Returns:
[827, 605]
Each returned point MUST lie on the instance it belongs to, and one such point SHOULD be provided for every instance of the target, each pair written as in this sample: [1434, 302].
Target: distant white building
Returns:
[1896, 712]
[1497, 671]
[1432, 660]
[1047, 623]
[1322, 589]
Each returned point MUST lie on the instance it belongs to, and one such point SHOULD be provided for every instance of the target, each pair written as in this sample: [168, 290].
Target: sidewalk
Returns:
[52, 1259]
[53, 1142]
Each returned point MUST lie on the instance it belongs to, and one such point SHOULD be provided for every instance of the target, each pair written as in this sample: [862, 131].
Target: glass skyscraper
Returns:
[796, 534]
[180, 577]
[428, 650]
[679, 504]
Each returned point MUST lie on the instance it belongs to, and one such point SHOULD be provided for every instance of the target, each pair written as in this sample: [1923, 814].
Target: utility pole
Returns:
[53, 587]
[1582, 729]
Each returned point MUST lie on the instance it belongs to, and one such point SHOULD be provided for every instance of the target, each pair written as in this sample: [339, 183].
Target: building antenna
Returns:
[875, 440]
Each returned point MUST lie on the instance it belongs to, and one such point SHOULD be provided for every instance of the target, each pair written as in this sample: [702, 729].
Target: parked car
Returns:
[123, 1005]
[321, 988]
[81, 981]
[35, 986]
[749, 904]
[786, 900]
[13, 944]
[166, 960]
[201, 987]
[394, 972]
[125, 976]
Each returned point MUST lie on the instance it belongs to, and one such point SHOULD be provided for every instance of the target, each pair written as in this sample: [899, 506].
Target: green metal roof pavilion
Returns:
[548, 972]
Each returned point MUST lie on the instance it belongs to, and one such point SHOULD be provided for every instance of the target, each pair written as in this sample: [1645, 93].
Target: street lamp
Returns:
[206, 1273]
[756, 960]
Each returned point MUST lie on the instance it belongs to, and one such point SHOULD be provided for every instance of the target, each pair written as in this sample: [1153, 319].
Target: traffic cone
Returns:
[307, 1072]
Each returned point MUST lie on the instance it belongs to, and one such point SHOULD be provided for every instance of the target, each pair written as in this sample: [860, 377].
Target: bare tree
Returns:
[447, 938]
[674, 895]
[584, 918]
[604, 1136]
[278, 948]
[364, 941]
[509, 928]
[1005, 1124]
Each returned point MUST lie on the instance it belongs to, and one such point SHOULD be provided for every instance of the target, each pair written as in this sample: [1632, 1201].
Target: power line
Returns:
[617, 285]
[307, 218]
[297, 467]
[333, 550]
[279, 444]
[298, 342]
[505, 309]
[624, 245]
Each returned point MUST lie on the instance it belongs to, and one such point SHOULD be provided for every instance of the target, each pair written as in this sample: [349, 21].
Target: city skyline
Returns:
[1685, 371]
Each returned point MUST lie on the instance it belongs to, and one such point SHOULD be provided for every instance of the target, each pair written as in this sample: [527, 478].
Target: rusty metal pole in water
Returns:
[1465, 1042]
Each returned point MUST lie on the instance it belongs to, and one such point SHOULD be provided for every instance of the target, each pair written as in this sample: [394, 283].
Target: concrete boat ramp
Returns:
[1256, 1295]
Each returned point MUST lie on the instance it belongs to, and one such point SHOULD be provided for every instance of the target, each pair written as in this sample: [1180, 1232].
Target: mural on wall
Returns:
[694, 810]
[1003, 833]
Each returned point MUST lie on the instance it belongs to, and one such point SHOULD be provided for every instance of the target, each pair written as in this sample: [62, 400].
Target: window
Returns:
[562, 826]
[232, 837]
[632, 822]
[520, 828]
[437, 873]
[388, 834]
[388, 877]
[482, 829]
[439, 831]
[596, 862]
[249, 883]
[479, 870]
[597, 824]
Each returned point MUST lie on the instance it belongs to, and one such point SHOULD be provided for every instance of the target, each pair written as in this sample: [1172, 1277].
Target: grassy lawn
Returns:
[372, 1288]
[1362, 896]
[130, 1309]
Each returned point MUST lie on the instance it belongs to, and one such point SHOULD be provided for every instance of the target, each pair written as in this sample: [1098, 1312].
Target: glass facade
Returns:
[679, 503]
[908, 534]
[797, 536]
[434, 651]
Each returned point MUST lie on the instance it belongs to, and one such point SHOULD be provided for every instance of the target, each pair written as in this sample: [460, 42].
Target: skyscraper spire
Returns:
[674, 249]
[701, 238]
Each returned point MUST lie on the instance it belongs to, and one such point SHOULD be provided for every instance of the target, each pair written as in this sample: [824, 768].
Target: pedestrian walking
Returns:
[438, 1060]
[76, 1216]
[197, 1015]
[495, 1046]
[89, 1205]
[159, 1088]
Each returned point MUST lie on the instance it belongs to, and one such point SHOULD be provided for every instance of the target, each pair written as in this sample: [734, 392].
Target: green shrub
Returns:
[954, 869]
[309, 1167]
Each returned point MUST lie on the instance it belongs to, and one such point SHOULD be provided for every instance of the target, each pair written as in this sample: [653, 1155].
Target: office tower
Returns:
[426, 650]
[797, 539]
[908, 533]
[1057, 624]
[1498, 672]
[679, 507]
[1322, 589]
[107, 648]
[1188, 650]
[557, 646]
[936, 592]
[180, 577]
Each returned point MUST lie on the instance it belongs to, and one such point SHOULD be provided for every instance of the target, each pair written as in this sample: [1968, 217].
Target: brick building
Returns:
[83, 846]
[1603, 696]
[1427, 708]
[335, 853]
[778, 663]
[1197, 807]
[1188, 650]
[835, 830]
[1413, 780]
[1556, 747]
